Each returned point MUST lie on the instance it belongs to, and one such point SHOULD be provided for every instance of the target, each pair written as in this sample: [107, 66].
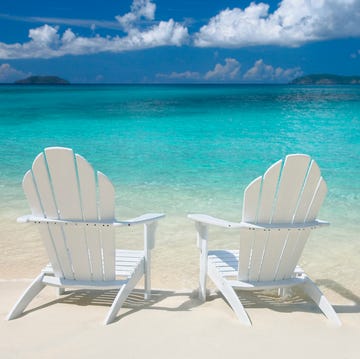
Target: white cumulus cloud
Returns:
[229, 71]
[45, 35]
[295, 22]
[48, 42]
[221, 73]
[139, 9]
[261, 72]
[10, 74]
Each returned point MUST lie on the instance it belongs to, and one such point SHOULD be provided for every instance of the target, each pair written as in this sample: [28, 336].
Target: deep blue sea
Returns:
[189, 148]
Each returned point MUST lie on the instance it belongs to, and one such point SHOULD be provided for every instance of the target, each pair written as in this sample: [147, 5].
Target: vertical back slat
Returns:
[290, 255]
[108, 246]
[76, 243]
[268, 191]
[318, 199]
[106, 212]
[32, 195]
[87, 187]
[59, 241]
[246, 243]
[307, 195]
[64, 181]
[95, 252]
[290, 186]
[272, 254]
[251, 199]
[52, 250]
[43, 185]
[106, 198]
[257, 253]
[298, 249]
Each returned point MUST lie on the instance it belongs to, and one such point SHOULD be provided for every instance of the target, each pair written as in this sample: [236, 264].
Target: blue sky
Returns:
[156, 41]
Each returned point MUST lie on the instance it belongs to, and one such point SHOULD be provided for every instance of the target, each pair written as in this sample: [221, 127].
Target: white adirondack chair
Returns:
[73, 208]
[279, 212]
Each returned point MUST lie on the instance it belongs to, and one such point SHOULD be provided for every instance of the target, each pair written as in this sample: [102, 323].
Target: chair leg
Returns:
[229, 293]
[313, 291]
[202, 236]
[284, 292]
[202, 278]
[117, 303]
[149, 242]
[61, 291]
[147, 278]
[123, 293]
[34, 288]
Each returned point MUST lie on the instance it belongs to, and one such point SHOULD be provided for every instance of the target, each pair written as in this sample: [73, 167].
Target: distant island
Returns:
[326, 79]
[42, 80]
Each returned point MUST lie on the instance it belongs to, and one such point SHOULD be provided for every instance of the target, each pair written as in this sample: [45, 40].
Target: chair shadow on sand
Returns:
[343, 292]
[134, 302]
[296, 300]
[186, 300]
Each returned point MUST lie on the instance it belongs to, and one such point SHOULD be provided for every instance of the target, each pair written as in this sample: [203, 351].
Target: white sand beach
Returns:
[174, 324]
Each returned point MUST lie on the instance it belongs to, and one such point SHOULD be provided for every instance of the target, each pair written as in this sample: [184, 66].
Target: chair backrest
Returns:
[290, 192]
[62, 185]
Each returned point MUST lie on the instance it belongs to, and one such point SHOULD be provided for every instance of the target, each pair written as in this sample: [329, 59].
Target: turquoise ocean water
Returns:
[188, 148]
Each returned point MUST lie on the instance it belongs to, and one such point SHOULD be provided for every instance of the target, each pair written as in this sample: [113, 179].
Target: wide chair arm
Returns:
[204, 219]
[202, 222]
[143, 219]
[149, 220]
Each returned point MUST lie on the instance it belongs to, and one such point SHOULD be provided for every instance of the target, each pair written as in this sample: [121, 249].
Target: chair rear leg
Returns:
[61, 291]
[35, 288]
[284, 292]
[313, 291]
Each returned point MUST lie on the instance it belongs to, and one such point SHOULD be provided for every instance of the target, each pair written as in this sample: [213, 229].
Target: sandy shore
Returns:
[174, 324]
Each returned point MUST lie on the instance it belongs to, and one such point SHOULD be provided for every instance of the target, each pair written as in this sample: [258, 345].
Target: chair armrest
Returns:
[205, 219]
[143, 219]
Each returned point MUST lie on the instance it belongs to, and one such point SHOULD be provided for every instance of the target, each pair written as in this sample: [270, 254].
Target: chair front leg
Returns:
[149, 244]
[202, 243]
[34, 289]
